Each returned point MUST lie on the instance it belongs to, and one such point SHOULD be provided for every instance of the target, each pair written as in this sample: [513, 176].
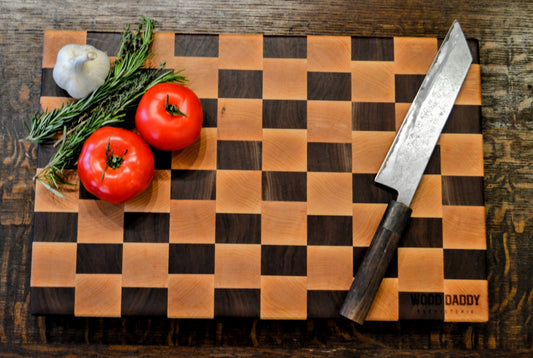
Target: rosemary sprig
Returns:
[108, 105]
[134, 50]
[112, 111]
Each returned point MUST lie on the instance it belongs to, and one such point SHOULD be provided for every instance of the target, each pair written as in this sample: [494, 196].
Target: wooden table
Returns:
[504, 32]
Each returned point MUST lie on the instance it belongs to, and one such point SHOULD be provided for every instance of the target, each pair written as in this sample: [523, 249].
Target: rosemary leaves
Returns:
[108, 105]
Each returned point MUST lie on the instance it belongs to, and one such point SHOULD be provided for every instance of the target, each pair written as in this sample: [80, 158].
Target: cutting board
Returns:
[270, 212]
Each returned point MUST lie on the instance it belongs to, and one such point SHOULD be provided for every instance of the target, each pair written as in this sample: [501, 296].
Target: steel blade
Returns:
[410, 151]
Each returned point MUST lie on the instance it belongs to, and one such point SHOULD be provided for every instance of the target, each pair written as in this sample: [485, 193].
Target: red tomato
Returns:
[115, 164]
[169, 116]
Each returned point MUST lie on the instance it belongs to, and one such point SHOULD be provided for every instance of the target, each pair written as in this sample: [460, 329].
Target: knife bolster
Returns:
[396, 217]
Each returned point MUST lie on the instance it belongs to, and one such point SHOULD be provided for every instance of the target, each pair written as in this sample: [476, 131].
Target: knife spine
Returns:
[452, 41]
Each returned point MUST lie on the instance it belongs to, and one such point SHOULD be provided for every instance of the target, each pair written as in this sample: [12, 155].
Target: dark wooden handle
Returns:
[370, 274]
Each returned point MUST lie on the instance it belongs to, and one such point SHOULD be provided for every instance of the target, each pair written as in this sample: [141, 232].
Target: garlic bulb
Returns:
[80, 69]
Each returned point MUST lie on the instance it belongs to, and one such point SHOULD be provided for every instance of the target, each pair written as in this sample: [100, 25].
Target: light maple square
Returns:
[238, 191]
[145, 265]
[53, 264]
[192, 221]
[461, 154]
[329, 53]
[427, 201]
[51, 103]
[240, 119]
[98, 295]
[237, 266]
[202, 154]
[284, 150]
[244, 52]
[385, 306]
[470, 93]
[466, 301]
[463, 227]
[110, 219]
[369, 149]
[366, 219]
[162, 48]
[285, 79]
[373, 81]
[191, 296]
[283, 297]
[420, 269]
[414, 55]
[155, 198]
[284, 223]
[201, 74]
[54, 40]
[329, 121]
[329, 267]
[45, 200]
[329, 193]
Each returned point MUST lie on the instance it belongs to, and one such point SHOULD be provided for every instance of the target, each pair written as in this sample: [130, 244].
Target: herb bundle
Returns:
[108, 105]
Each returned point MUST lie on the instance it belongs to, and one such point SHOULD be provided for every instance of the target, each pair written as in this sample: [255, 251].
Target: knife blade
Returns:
[405, 163]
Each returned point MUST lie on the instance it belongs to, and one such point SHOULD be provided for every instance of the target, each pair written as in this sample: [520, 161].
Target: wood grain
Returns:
[504, 30]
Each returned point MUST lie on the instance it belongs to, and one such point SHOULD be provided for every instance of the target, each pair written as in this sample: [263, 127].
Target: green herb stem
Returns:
[134, 51]
[108, 105]
[113, 111]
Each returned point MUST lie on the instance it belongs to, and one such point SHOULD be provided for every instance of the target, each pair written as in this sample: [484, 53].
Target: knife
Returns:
[406, 162]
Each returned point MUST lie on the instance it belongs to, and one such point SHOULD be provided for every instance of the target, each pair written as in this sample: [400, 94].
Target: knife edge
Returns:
[409, 154]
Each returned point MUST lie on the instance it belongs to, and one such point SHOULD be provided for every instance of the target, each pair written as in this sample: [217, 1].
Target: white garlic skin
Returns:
[80, 69]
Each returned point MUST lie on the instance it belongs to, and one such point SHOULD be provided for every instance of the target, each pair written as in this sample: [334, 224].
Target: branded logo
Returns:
[438, 305]
[436, 299]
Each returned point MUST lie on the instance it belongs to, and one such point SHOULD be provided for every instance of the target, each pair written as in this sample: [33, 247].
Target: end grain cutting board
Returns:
[269, 213]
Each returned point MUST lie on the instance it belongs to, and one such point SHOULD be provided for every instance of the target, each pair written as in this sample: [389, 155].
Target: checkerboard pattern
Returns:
[270, 212]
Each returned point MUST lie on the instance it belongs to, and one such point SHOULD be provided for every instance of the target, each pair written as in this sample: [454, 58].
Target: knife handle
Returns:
[370, 274]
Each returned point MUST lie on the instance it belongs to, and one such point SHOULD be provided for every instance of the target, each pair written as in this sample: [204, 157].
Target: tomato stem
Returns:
[112, 161]
[173, 109]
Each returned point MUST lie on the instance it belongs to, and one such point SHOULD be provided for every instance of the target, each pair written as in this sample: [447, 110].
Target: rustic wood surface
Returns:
[505, 32]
